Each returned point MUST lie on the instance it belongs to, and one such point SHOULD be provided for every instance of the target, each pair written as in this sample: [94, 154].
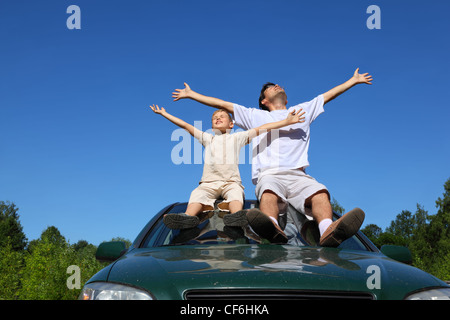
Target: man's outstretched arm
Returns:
[340, 89]
[187, 92]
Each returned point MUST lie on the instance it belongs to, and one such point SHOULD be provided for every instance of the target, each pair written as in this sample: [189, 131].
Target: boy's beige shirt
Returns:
[221, 161]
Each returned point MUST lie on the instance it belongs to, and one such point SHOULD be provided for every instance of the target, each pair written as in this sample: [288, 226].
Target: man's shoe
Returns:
[237, 219]
[343, 228]
[265, 227]
[180, 221]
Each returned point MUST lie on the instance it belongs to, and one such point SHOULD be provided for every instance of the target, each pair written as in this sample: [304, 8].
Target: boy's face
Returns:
[221, 121]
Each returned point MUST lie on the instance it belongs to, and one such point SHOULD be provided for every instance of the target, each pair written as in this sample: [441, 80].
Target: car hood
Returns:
[168, 272]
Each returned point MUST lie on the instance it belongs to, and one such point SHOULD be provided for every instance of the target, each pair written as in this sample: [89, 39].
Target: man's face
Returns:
[221, 121]
[275, 92]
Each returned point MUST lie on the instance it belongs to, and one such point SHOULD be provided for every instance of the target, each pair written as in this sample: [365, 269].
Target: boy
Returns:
[221, 176]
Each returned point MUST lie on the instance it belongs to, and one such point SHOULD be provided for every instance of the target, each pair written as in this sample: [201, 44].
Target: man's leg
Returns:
[333, 233]
[321, 210]
[264, 221]
[269, 204]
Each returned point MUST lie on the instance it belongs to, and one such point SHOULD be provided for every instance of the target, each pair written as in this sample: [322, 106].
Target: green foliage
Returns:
[44, 271]
[10, 227]
[41, 271]
[426, 236]
[337, 207]
[11, 265]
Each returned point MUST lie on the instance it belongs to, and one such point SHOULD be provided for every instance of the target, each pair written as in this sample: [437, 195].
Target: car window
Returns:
[212, 230]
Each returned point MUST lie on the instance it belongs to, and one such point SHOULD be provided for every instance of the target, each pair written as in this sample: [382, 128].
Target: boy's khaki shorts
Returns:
[208, 192]
[292, 186]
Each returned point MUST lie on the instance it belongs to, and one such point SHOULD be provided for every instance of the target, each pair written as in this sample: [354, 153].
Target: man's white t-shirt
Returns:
[285, 148]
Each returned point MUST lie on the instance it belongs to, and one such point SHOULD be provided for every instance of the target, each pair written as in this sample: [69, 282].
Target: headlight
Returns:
[434, 294]
[112, 291]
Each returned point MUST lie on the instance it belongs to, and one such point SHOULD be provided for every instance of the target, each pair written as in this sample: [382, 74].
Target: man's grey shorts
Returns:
[293, 186]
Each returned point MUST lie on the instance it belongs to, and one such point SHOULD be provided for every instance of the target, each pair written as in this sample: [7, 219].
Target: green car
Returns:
[214, 261]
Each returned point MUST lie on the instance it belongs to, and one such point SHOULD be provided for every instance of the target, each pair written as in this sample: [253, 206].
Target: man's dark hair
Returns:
[262, 96]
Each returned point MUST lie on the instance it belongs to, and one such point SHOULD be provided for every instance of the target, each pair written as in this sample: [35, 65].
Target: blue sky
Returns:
[81, 150]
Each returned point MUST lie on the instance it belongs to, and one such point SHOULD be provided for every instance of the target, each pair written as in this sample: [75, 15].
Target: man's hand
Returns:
[295, 117]
[182, 93]
[157, 110]
[187, 92]
[361, 78]
[353, 81]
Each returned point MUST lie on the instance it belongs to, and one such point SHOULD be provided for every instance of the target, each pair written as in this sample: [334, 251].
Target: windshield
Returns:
[212, 230]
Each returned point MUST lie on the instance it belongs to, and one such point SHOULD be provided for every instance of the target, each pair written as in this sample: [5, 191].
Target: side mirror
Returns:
[401, 254]
[110, 251]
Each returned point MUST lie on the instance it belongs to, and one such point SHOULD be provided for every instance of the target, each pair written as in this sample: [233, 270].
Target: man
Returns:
[278, 165]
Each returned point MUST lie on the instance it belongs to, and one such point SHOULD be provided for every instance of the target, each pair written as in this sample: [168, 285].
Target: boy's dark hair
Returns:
[262, 96]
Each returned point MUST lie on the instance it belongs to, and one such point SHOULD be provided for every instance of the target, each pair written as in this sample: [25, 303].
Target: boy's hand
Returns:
[157, 110]
[295, 116]
[361, 78]
[182, 93]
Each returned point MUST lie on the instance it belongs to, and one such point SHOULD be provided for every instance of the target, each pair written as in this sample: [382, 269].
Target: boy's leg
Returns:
[233, 193]
[237, 216]
[200, 196]
[180, 221]
[235, 206]
[194, 209]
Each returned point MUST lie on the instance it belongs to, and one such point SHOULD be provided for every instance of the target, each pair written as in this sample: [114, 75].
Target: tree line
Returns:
[426, 235]
[38, 269]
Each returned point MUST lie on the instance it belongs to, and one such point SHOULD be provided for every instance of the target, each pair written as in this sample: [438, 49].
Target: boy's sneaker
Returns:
[343, 228]
[180, 221]
[237, 219]
[265, 227]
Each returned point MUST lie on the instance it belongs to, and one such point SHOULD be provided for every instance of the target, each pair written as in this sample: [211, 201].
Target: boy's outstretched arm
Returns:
[340, 89]
[292, 118]
[187, 92]
[182, 124]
